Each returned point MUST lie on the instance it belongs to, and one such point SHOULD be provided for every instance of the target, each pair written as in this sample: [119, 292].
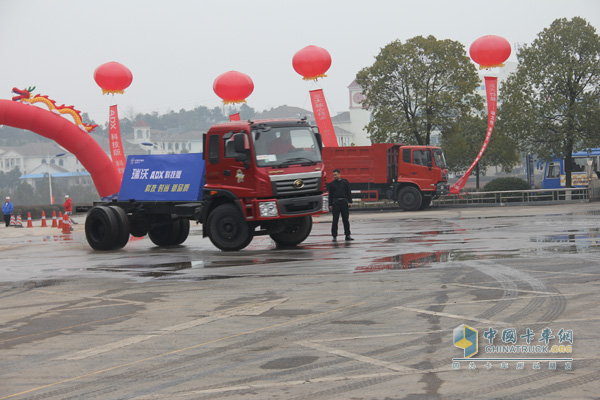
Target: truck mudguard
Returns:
[163, 177]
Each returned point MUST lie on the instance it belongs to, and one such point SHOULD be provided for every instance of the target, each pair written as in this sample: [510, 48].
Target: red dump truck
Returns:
[410, 175]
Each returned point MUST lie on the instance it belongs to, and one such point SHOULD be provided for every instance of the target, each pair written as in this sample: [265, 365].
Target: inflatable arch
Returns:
[45, 123]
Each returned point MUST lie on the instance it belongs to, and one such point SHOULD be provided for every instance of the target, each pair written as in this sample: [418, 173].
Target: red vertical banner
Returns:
[323, 118]
[116, 146]
[234, 117]
[491, 90]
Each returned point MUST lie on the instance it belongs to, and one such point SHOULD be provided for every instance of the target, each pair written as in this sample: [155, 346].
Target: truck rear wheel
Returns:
[409, 198]
[227, 228]
[122, 227]
[102, 228]
[295, 232]
[184, 231]
[166, 233]
[425, 203]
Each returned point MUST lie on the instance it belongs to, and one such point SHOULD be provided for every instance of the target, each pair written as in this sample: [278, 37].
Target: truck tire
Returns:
[184, 231]
[409, 198]
[138, 225]
[101, 228]
[227, 228]
[295, 232]
[166, 233]
[122, 227]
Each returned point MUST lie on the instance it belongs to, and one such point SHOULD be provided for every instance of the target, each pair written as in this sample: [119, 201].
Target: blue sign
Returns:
[168, 177]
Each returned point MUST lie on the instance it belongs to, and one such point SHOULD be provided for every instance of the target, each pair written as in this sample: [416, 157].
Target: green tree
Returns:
[551, 105]
[418, 87]
[462, 142]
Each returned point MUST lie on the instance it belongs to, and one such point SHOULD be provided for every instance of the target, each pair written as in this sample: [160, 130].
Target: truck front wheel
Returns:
[227, 228]
[296, 231]
[102, 228]
[409, 198]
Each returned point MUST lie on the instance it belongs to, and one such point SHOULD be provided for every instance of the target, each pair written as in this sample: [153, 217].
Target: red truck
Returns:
[410, 175]
[263, 177]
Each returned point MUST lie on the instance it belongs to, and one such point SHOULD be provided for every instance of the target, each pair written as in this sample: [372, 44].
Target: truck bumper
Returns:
[291, 207]
[442, 188]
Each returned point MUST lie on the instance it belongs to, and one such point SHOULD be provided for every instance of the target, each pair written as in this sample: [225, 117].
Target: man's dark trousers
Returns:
[340, 206]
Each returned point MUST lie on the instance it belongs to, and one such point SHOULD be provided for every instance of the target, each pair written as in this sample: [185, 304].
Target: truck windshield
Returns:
[439, 158]
[285, 146]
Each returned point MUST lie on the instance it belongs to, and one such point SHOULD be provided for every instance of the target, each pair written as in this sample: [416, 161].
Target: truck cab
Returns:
[268, 174]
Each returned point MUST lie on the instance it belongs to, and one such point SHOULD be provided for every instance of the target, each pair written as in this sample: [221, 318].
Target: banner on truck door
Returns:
[116, 146]
[491, 90]
[163, 177]
[323, 118]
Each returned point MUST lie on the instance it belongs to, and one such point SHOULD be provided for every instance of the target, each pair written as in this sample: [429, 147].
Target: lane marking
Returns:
[455, 316]
[357, 357]
[181, 350]
[244, 310]
[503, 289]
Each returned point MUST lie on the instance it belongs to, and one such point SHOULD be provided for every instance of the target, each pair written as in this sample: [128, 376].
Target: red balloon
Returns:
[233, 87]
[490, 51]
[311, 62]
[113, 77]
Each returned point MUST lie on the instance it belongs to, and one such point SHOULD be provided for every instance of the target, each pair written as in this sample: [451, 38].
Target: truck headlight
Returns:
[268, 209]
[325, 203]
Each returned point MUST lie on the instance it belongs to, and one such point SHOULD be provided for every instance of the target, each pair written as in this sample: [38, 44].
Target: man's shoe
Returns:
[349, 238]
[334, 239]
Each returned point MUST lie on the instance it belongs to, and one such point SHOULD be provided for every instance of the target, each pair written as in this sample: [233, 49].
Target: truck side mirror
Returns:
[239, 146]
[239, 143]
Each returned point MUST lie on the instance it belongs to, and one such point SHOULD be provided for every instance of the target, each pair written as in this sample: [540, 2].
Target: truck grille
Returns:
[296, 186]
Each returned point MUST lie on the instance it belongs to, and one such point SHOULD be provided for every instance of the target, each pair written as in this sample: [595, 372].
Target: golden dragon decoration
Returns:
[24, 96]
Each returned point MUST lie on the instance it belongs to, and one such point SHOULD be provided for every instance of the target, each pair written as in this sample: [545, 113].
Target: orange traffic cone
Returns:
[13, 221]
[29, 221]
[44, 225]
[60, 220]
[66, 225]
[19, 223]
[54, 222]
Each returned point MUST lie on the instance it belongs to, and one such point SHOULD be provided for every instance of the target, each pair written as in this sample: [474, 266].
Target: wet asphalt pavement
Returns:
[368, 319]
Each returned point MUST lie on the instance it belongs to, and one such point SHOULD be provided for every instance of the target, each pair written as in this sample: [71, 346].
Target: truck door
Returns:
[420, 169]
[237, 176]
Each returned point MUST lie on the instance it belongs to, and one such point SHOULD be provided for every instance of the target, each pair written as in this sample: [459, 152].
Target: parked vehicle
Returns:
[242, 186]
[583, 167]
[410, 175]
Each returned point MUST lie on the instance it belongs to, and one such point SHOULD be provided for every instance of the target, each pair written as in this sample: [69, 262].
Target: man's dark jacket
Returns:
[339, 190]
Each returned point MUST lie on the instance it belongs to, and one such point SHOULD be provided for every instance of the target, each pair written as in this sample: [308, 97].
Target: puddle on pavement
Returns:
[573, 241]
[179, 269]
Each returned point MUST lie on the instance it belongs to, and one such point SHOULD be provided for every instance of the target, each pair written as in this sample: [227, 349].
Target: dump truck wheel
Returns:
[184, 231]
[409, 198]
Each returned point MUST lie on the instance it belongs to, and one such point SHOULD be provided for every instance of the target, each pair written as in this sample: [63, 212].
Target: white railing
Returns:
[538, 196]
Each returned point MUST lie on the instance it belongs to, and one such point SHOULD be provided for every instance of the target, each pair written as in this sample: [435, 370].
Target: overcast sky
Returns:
[175, 49]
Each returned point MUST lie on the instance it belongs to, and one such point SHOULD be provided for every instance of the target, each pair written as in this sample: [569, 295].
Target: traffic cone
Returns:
[29, 221]
[54, 222]
[66, 225]
[44, 225]
[13, 221]
[19, 223]
[60, 220]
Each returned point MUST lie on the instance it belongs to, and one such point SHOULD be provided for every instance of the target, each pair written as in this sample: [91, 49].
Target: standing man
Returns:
[340, 201]
[68, 209]
[7, 210]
